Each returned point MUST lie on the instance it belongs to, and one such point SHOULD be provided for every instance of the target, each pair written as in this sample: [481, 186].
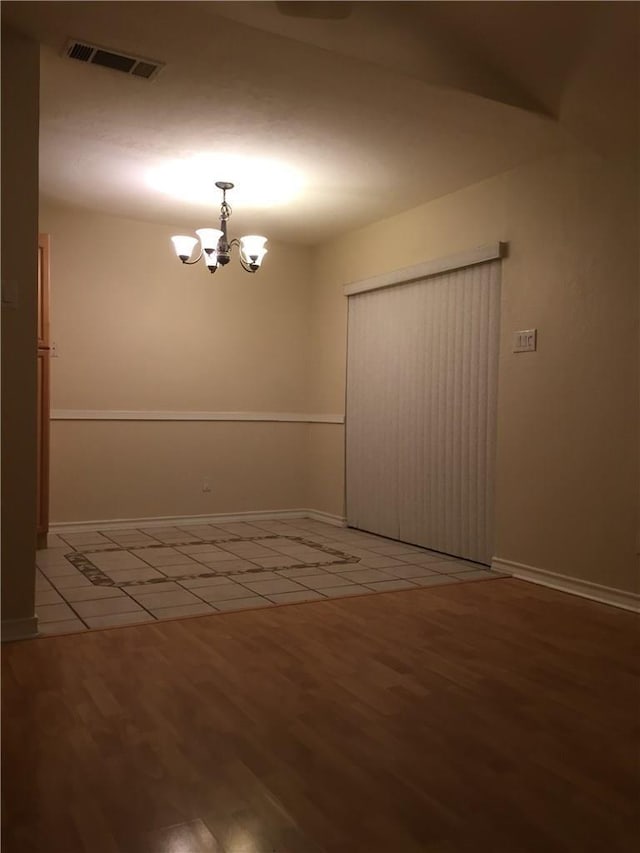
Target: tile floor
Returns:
[100, 579]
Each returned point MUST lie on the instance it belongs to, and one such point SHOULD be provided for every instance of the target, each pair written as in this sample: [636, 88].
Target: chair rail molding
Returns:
[144, 415]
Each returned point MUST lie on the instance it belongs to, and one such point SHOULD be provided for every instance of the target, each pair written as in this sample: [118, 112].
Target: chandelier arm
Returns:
[190, 263]
[246, 267]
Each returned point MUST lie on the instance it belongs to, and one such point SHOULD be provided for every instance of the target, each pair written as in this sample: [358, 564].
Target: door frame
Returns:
[43, 390]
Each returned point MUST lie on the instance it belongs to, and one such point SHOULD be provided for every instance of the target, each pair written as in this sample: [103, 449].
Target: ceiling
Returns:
[364, 116]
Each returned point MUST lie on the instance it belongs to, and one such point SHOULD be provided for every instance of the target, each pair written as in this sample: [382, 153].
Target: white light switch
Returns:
[525, 340]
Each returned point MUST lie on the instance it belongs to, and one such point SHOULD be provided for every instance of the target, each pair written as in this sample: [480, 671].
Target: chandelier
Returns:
[215, 247]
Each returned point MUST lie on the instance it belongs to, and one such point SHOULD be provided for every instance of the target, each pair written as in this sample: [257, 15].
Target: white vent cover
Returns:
[136, 66]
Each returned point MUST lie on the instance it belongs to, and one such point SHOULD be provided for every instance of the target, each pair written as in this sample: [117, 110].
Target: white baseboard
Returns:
[585, 589]
[19, 629]
[170, 520]
[326, 517]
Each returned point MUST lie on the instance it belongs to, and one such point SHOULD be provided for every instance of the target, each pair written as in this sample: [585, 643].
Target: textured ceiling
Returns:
[377, 112]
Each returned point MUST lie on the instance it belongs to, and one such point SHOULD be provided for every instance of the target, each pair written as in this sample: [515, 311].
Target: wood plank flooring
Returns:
[498, 717]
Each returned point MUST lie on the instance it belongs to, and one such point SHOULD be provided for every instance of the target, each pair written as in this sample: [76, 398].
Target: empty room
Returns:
[320, 427]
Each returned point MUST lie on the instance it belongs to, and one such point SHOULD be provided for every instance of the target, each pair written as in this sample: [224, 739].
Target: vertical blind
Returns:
[421, 410]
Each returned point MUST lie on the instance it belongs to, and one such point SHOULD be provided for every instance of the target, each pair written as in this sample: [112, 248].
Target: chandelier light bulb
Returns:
[209, 238]
[184, 246]
[252, 249]
[211, 260]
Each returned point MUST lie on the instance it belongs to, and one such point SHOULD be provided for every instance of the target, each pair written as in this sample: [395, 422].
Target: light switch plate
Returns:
[525, 340]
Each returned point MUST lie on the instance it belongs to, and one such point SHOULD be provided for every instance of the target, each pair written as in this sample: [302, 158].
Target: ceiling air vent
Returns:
[95, 55]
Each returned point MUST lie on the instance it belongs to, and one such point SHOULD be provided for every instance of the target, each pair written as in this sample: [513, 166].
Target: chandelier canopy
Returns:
[215, 247]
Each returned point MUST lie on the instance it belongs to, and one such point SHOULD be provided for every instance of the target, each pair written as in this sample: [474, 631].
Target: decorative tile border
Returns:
[98, 577]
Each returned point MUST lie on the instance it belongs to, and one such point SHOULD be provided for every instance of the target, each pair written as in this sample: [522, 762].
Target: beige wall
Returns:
[135, 330]
[129, 469]
[324, 478]
[20, 88]
[567, 418]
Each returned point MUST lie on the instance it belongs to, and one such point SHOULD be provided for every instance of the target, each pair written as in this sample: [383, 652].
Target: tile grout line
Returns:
[140, 605]
[71, 607]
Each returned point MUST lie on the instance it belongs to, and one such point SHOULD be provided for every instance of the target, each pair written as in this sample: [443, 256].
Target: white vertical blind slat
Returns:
[421, 410]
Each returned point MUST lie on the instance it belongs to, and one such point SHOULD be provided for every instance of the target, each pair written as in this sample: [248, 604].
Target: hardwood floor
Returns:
[499, 717]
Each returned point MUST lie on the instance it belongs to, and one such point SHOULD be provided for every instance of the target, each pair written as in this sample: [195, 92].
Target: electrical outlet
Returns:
[206, 486]
[525, 340]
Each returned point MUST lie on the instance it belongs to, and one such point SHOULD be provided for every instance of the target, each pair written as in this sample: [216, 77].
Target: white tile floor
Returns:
[100, 579]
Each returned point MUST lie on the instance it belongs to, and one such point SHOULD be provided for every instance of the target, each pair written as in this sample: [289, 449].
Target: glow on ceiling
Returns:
[259, 182]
